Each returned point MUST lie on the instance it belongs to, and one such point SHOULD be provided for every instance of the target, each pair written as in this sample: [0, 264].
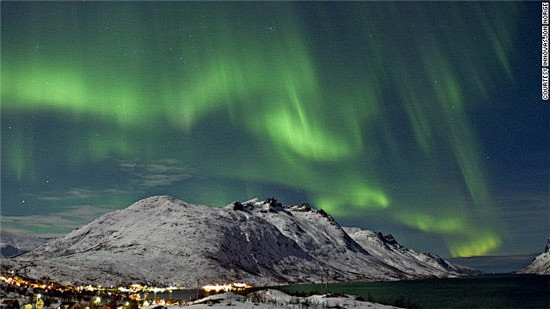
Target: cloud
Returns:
[159, 173]
[156, 180]
[77, 194]
[143, 176]
[58, 223]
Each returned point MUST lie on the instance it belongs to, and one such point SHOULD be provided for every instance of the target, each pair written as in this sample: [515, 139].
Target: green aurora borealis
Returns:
[367, 110]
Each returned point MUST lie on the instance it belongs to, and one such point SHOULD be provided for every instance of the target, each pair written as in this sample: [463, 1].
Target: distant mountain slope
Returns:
[165, 241]
[386, 248]
[495, 264]
[541, 264]
[13, 242]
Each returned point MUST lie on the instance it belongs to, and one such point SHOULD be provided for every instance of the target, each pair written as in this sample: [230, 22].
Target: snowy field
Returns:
[277, 299]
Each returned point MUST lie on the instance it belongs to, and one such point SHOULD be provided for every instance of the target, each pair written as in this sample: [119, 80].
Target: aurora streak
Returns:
[334, 101]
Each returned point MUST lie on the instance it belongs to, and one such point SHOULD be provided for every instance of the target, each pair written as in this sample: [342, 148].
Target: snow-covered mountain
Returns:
[14, 242]
[386, 248]
[164, 241]
[541, 264]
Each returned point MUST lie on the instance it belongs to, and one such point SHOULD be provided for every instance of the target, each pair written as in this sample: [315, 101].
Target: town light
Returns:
[225, 287]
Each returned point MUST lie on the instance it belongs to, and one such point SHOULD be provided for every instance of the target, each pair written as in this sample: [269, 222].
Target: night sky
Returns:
[420, 119]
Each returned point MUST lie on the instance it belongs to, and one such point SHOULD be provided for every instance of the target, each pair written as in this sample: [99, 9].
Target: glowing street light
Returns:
[97, 300]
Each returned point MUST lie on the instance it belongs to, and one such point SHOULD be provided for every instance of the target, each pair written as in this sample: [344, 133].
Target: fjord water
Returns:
[485, 291]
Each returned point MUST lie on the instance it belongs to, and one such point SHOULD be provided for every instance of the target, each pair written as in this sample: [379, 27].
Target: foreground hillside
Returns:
[165, 241]
[274, 299]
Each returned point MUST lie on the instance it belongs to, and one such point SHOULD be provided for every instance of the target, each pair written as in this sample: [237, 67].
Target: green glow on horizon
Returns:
[468, 239]
[475, 245]
[431, 223]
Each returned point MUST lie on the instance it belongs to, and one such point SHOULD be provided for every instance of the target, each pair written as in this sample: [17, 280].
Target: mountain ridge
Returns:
[167, 241]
